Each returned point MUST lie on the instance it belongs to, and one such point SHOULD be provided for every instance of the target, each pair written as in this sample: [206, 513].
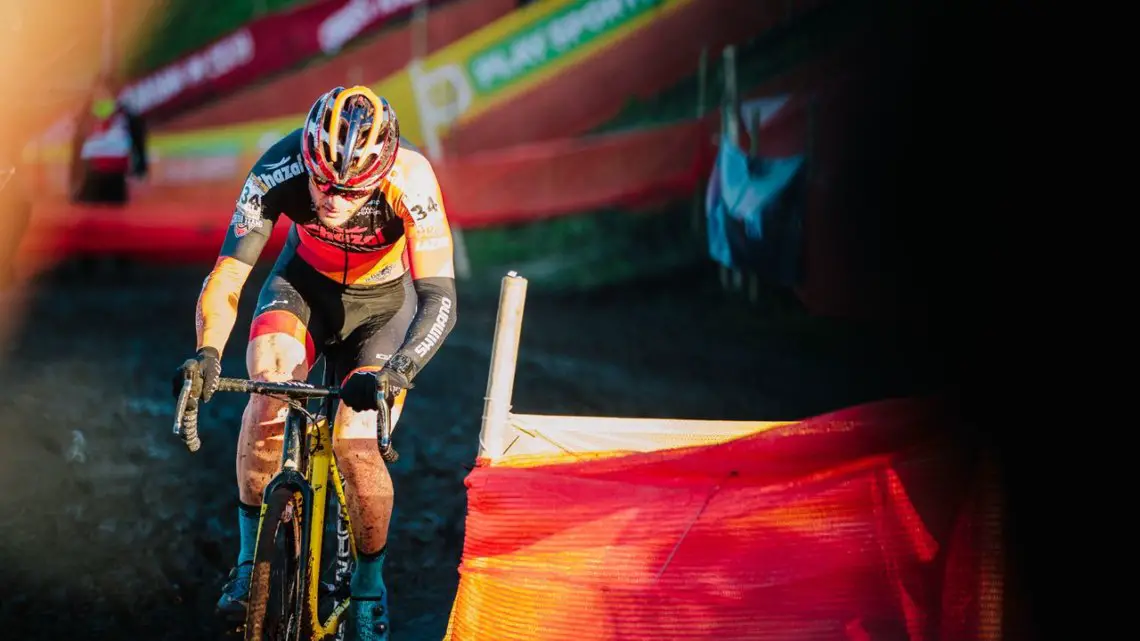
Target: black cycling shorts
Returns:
[353, 328]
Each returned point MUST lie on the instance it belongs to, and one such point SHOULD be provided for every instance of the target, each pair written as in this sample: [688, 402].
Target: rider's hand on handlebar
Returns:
[361, 391]
[204, 371]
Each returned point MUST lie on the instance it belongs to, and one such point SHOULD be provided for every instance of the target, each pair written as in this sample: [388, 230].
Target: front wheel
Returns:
[274, 612]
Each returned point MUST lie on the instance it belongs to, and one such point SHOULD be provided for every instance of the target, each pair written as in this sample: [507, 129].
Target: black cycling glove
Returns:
[361, 391]
[204, 370]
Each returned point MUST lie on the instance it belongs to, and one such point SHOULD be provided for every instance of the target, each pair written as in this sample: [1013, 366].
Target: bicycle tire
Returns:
[277, 573]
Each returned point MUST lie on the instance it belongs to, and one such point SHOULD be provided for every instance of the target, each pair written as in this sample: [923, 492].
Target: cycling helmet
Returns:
[350, 139]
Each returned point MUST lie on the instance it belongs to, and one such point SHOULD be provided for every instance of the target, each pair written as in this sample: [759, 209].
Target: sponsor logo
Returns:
[435, 334]
[281, 171]
[277, 165]
[259, 183]
[243, 223]
[353, 236]
[381, 276]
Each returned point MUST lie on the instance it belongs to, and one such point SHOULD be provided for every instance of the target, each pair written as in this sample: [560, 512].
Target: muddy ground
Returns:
[112, 530]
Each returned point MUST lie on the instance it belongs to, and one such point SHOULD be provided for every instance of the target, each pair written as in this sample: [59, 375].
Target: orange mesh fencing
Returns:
[810, 530]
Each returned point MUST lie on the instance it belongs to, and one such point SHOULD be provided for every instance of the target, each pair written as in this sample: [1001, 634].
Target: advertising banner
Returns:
[256, 50]
[509, 57]
[468, 77]
[465, 78]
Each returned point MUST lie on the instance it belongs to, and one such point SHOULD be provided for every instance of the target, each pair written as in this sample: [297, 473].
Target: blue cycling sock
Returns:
[368, 577]
[248, 516]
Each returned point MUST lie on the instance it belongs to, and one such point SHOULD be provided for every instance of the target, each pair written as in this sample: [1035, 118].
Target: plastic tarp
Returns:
[835, 527]
[755, 208]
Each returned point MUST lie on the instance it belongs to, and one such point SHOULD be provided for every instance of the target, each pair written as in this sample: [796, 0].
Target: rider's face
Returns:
[334, 208]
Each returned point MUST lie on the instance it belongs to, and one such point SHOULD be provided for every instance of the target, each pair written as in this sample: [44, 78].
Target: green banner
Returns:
[558, 34]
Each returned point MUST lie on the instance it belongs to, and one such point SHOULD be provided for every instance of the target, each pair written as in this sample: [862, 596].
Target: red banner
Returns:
[257, 50]
[570, 175]
[820, 529]
[385, 54]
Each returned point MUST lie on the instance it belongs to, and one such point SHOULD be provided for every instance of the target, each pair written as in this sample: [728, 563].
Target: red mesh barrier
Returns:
[807, 531]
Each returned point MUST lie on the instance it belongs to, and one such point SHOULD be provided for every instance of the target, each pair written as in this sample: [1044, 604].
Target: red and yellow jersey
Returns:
[402, 227]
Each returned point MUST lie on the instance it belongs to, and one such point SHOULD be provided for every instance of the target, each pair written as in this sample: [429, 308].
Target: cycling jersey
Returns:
[401, 229]
[406, 212]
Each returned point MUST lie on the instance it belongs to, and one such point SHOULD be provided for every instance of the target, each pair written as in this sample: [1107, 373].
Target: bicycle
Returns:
[285, 588]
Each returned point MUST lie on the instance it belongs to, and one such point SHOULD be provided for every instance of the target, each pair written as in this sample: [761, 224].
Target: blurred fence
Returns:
[803, 91]
[255, 50]
[387, 53]
[620, 171]
[473, 94]
[613, 528]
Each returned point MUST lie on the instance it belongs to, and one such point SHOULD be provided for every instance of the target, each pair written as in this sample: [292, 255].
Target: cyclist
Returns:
[366, 278]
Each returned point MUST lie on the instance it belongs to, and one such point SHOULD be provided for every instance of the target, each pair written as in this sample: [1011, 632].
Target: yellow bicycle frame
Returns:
[320, 469]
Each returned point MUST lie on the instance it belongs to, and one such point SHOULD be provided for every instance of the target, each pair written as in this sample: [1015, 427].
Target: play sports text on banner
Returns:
[513, 55]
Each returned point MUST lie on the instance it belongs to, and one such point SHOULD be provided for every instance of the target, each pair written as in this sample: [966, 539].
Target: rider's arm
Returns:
[248, 233]
[218, 302]
[432, 268]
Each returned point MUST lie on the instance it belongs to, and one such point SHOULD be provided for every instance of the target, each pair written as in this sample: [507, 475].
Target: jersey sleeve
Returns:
[431, 265]
[261, 201]
[425, 222]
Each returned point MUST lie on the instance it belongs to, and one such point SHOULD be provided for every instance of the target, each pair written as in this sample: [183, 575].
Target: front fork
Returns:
[293, 460]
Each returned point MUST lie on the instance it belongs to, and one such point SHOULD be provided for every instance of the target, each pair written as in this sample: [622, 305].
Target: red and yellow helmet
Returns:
[350, 139]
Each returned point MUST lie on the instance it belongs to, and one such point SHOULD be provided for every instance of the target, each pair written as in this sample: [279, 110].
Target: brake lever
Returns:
[384, 422]
[186, 422]
[180, 406]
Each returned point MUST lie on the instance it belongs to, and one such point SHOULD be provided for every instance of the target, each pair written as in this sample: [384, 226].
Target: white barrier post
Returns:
[495, 430]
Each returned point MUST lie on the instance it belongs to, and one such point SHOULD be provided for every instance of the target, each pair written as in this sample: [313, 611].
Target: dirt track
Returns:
[112, 530]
